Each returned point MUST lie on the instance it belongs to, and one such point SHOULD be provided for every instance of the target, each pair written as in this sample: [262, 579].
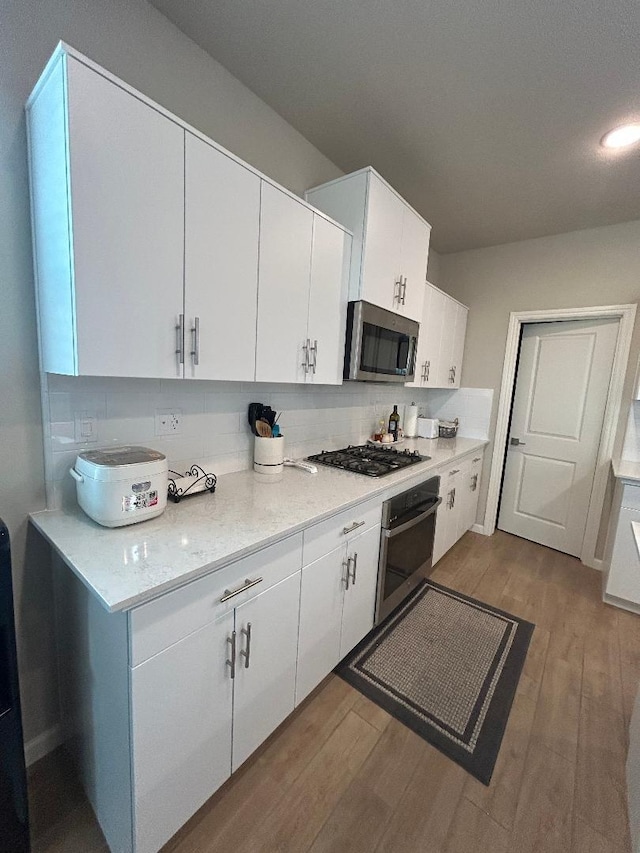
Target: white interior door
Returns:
[558, 408]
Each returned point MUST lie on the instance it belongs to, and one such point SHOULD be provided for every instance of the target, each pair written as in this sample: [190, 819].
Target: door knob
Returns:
[516, 442]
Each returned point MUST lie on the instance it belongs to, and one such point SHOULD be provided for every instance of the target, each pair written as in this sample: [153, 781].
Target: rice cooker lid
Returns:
[120, 463]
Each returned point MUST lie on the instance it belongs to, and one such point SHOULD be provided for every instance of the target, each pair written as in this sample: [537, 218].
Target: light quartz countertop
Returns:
[126, 566]
[623, 469]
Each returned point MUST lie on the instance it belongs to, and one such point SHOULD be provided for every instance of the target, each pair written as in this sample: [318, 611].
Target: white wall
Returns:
[131, 39]
[599, 266]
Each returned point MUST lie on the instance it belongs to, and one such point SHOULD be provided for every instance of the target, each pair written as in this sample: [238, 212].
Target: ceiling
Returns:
[485, 115]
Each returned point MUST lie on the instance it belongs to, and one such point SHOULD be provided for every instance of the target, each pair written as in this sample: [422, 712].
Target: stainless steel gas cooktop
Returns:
[369, 460]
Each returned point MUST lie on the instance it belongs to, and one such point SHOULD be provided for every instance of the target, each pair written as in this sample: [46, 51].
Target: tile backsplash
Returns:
[214, 432]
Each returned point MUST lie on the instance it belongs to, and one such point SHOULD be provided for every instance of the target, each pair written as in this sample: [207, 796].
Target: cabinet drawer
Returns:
[329, 534]
[159, 624]
[631, 497]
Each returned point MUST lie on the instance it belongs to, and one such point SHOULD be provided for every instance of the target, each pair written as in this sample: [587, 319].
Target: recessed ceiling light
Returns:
[621, 136]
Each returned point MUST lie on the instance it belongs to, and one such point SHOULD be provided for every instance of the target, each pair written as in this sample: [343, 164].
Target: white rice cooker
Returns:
[121, 485]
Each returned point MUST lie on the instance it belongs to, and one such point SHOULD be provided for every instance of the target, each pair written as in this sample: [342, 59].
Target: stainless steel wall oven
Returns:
[406, 544]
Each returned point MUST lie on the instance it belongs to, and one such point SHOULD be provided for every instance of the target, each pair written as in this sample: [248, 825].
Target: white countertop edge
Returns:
[626, 470]
[378, 487]
[635, 528]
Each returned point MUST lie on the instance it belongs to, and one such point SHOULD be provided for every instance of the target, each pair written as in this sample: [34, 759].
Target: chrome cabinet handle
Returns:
[454, 372]
[246, 653]
[474, 482]
[477, 459]
[346, 564]
[314, 350]
[517, 443]
[231, 593]
[195, 333]
[450, 499]
[397, 291]
[428, 369]
[180, 339]
[455, 471]
[355, 568]
[354, 526]
[453, 498]
[403, 290]
[305, 363]
[231, 662]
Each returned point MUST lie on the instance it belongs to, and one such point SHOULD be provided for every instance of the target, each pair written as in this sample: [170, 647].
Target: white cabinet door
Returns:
[447, 516]
[428, 370]
[181, 707]
[413, 266]
[284, 270]
[434, 325]
[265, 682]
[447, 343]
[127, 206]
[321, 601]
[328, 301]
[458, 343]
[360, 596]
[382, 246]
[222, 219]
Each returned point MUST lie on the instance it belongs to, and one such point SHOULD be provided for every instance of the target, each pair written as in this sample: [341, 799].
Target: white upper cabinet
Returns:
[107, 177]
[222, 221]
[390, 240]
[284, 273]
[440, 341]
[330, 257]
[382, 247]
[159, 254]
[301, 293]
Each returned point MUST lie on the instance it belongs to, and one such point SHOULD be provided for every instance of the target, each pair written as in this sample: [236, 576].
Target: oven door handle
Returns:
[389, 534]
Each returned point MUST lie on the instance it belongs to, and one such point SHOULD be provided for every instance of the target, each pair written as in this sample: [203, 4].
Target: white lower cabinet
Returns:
[202, 705]
[623, 557]
[181, 715]
[265, 676]
[459, 489]
[337, 604]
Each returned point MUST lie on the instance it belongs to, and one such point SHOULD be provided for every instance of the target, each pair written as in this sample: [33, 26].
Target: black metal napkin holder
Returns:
[198, 481]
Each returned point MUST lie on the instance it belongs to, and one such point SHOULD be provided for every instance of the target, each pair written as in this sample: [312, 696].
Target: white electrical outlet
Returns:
[168, 421]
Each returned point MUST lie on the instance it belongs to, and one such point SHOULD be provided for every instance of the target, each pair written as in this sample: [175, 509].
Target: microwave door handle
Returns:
[389, 534]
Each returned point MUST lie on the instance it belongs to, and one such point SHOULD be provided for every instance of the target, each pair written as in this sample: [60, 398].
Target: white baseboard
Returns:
[42, 744]
[478, 528]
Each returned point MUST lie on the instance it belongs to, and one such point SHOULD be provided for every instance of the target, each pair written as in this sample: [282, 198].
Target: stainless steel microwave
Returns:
[380, 345]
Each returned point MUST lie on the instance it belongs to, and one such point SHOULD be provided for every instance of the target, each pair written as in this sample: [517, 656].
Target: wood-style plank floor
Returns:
[341, 775]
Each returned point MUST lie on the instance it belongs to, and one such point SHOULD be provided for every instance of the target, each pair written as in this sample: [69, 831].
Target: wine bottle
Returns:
[394, 423]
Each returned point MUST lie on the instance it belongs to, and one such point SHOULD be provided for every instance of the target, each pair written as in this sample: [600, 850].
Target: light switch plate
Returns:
[86, 427]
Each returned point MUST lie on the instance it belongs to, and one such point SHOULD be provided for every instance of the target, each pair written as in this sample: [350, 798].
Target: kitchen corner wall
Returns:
[215, 433]
[597, 266]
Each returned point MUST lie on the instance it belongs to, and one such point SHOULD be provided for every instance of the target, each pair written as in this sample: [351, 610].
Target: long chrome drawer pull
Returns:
[232, 661]
[229, 593]
[455, 471]
[246, 653]
[347, 565]
[353, 527]
[477, 459]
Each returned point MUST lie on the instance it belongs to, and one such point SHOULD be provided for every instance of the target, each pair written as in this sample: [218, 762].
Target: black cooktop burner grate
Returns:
[368, 460]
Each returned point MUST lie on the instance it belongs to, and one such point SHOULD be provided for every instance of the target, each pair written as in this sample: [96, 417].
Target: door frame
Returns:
[625, 314]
